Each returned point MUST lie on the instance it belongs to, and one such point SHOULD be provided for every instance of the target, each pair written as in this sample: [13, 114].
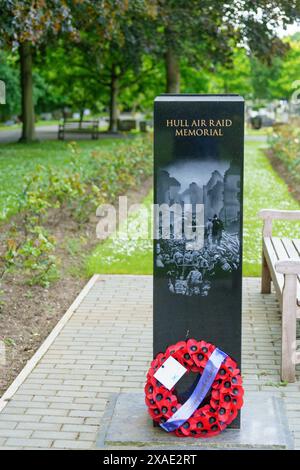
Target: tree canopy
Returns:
[118, 54]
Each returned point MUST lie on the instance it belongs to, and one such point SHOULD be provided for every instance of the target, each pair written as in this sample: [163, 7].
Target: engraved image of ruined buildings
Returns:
[220, 195]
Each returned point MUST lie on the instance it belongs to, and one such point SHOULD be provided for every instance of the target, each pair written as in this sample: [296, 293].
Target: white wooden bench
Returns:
[281, 264]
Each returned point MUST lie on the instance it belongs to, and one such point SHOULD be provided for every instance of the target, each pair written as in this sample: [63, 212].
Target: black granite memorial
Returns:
[198, 190]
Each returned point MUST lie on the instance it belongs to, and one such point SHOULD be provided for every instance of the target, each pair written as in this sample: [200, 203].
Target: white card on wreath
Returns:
[170, 372]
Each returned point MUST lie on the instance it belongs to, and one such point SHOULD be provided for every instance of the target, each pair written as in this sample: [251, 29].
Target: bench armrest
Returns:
[288, 266]
[274, 214]
[268, 215]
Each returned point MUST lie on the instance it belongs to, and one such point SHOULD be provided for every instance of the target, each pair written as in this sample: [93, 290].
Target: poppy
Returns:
[236, 391]
[160, 394]
[155, 413]
[200, 360]
[188, 360]
[236, 380]
[238, 401]
[193, 346]
[224, 412]
[179, 433]
[185, 428]
[149, 389]
[233, 415]
[176, 347]
[150, 402]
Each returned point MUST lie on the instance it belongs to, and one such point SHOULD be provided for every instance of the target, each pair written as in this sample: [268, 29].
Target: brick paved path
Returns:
[60, 403]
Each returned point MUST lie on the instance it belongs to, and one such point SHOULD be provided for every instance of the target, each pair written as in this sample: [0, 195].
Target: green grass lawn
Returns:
[118, 255]
[17, 160]
[263, 189]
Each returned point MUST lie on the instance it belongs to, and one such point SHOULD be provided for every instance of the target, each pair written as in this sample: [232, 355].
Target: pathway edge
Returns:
[31, 364]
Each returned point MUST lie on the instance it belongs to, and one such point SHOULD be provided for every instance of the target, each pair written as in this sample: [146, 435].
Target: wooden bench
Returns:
[281, 264]
[78, 127]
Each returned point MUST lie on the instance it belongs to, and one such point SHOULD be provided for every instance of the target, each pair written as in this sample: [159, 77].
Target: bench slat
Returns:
[271, 256]
[280, 253]
[290, 248]
[279, 248]
[297, 245]
[293, 252]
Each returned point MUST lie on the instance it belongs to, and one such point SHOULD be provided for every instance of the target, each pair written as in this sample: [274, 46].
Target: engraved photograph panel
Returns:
[197, 224]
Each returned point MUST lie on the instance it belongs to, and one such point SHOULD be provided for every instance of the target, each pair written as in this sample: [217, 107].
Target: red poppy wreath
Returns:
[215, 401]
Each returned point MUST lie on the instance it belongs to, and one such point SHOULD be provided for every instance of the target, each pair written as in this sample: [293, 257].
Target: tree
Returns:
[288, 71]
[123, 59]
[208, 31]
[26, 25]
[70, 84]
[234, 77]
[117, 37]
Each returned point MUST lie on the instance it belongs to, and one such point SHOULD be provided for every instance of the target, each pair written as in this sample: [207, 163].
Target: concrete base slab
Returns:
[126, 425]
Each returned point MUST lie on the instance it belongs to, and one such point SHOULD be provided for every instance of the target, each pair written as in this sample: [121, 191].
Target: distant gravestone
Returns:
[126, 125]
[198, 171]
[143, 126]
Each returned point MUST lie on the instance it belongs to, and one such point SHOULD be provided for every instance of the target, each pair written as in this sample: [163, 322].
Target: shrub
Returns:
[76, 192]
[285, 145]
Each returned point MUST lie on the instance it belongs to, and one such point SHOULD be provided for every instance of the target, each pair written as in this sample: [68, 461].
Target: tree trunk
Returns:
[81, 116]
[28, 125]
[172, 71]
[113, 106]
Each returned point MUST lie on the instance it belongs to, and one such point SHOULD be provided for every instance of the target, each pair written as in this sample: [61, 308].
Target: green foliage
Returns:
[10, 76]
[285, 145]
[7, 260]
[9, 73]
[220, 47]
[234, 77]
[19, 161]
[77, 86]
[75, 192]
[10, 254]
[289, 73]
[115, 54]
[10, 342]
[123, 167]
[37, 258]
[75, 83]
[261, 74]
[275, 80]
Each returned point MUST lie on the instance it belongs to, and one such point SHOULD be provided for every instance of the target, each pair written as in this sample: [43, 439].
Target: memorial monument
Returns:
[198, 191]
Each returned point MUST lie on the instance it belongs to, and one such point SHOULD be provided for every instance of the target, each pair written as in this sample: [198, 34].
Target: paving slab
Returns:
[103, 345]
